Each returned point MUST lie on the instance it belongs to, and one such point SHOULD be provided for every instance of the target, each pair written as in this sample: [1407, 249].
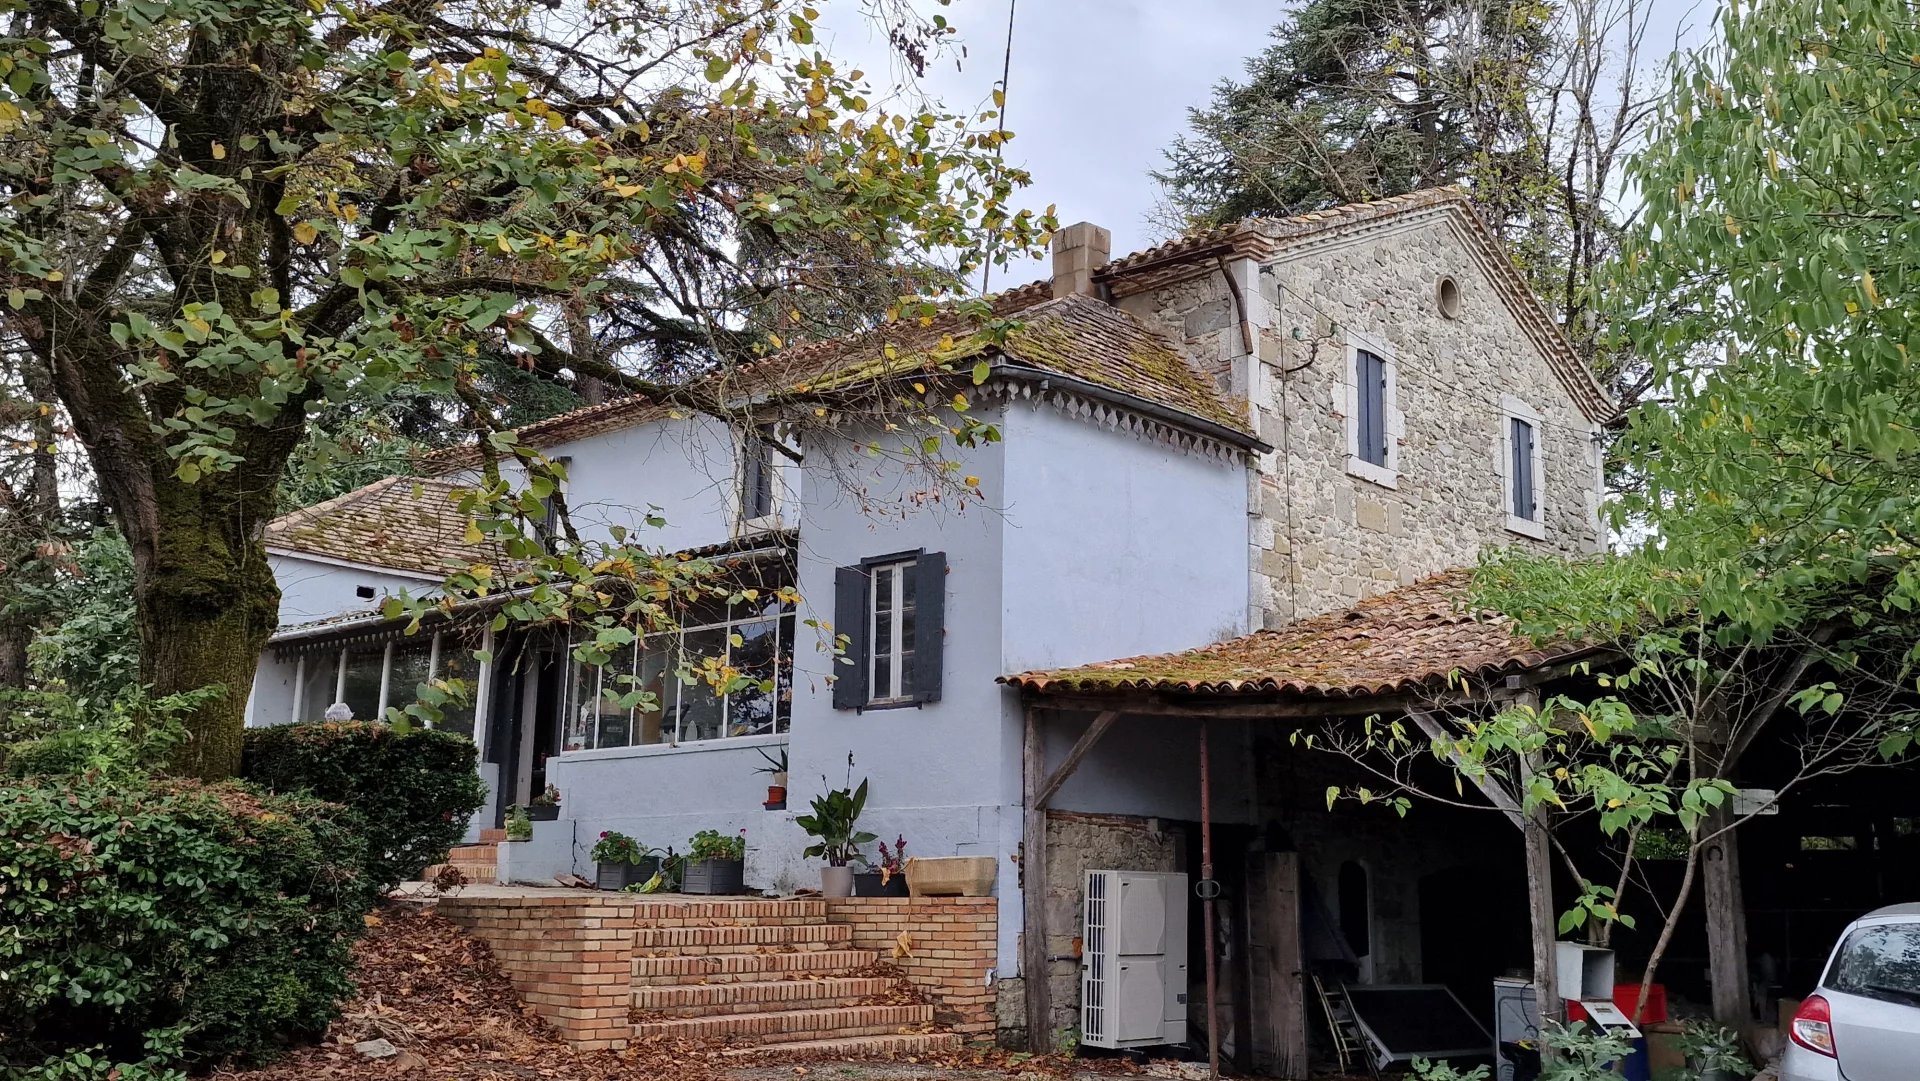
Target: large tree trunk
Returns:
[205, 603]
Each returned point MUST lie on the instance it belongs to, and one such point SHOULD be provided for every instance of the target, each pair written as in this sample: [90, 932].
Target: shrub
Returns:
[714, 845]
[146, 925]
[412, 788]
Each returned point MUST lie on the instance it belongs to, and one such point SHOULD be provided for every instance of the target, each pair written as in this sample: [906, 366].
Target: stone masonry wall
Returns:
[948, 951]
[570, 957]
[1324, 538]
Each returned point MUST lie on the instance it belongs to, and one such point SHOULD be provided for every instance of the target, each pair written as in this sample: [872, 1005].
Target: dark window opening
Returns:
[1356, 909]
[892, 612]
[756, 476]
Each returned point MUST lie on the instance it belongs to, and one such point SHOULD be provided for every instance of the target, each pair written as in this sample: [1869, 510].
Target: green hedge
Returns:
[146, 925]
[413, 789]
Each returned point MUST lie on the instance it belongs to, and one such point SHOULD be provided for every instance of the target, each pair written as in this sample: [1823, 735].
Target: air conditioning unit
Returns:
[1133, 968]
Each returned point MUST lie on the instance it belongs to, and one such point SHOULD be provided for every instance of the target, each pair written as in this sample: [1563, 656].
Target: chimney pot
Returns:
[1078, 251]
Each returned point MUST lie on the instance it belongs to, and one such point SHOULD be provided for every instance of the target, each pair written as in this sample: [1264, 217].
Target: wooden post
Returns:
[1726, 924]
[1537, 830]
[1033, 888]
[1281, 1026]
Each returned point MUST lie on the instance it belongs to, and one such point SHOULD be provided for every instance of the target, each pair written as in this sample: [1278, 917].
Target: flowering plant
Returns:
[617, 847]
[548, 798]
[892, 862]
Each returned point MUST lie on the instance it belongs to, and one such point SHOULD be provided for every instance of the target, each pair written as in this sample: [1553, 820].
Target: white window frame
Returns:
[1512, 409]
[743, 444]
[670, 702]
[901, 571]
[1392, 420]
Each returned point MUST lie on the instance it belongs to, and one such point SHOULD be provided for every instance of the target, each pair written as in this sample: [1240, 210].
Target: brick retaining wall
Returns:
[570, 957]
[952, 944]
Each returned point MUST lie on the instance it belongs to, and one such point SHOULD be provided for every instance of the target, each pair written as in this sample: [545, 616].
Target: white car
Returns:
[1863, 1022]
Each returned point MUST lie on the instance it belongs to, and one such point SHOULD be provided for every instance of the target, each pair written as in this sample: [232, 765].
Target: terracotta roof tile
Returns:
[406, 523]
[1076, 336]
[1400, 640]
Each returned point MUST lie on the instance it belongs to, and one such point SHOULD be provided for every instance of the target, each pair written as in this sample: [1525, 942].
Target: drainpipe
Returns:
[1207, 891]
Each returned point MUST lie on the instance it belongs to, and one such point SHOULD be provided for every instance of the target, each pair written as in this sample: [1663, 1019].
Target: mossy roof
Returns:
[1409, 638]
[409, 524]
[1076, 336]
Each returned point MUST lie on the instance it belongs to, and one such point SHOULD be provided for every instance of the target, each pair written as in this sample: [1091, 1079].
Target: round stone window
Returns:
[1447, 295]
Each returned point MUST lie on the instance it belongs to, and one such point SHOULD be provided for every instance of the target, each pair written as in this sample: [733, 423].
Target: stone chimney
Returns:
[1078, 251]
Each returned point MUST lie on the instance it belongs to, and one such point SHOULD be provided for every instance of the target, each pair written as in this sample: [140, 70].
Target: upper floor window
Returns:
[1520, 462]
[757, 476]
[1372, 415]
[892, 612]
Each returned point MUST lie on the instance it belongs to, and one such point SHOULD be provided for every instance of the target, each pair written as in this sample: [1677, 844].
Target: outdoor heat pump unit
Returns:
[1133, 966]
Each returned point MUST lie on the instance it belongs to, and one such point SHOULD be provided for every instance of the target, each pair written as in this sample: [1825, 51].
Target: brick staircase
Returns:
[476, 862]
[770, 976]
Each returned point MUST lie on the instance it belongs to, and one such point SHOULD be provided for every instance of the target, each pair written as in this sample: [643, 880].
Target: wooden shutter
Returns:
[850, 619]
[1371, 374]
[929, 624]
[1521, 438]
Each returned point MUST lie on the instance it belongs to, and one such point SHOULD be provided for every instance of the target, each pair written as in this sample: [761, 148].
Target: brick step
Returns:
[757, 996]
[914, 1043]
[745, 967]
[473, 854]
[730, 913]
[747, 939]
[492, 836]
[776, 1026]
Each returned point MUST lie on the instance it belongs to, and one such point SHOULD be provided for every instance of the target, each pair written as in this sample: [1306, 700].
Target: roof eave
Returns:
[1012, 368]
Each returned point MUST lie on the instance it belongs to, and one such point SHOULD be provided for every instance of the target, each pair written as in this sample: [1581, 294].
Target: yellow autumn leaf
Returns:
[1866, 285]
[971, 481]
[219, 152]
[473, 534]
[504, 244]
[55, 275]
[305, 232]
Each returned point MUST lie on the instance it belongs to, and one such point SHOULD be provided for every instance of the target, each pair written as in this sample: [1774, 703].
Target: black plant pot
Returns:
[618, 876]
[869, 885]
[547, 813]
[714, 876]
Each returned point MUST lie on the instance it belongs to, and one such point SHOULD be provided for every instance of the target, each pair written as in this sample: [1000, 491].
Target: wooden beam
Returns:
[1726, 923]
[1537, 830]
[1033, 888]
[1430, 725]
[1072, 762]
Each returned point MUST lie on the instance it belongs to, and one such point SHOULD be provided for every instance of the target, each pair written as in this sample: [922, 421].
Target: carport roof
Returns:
[1410, 638]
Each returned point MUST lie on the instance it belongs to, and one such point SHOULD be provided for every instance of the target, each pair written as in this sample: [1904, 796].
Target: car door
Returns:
[1873, 989]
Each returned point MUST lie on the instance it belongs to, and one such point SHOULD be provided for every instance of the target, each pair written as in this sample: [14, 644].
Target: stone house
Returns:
[1231, 433]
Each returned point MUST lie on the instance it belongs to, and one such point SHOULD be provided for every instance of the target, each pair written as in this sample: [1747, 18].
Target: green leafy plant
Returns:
[1711, 1046]
[548, 797]
[1583, 1053]
[714, 845]
[616, 847]
[413, 790]
[776, 766]
[158, 924]
[834, 821]
[519, 824]
[1427, 1070]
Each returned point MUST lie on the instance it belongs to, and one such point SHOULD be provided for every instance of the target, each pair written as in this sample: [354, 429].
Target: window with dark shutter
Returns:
[1370, 377]
[1520, 443]
[756, 476]
[893, 611]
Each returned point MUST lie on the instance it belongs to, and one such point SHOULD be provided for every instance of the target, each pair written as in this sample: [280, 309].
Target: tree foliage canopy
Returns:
[226, 216]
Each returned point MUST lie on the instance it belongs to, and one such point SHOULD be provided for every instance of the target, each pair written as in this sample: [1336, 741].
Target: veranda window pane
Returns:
[880, 684]
[701, 710]
[783, 679]
[655, 724]
[362, 691]
[583, 689]
[315, 693]
[456, 662]
[616, 685]
[905, 659]
[412, 667]
[753, 710]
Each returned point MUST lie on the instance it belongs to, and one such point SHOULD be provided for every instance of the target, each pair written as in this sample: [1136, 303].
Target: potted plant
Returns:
[888, 878]
[776, 771]
[519, 826]
[716, 863]
[834, 818]
[620, 861]
[1713, 1051]
[545, 807]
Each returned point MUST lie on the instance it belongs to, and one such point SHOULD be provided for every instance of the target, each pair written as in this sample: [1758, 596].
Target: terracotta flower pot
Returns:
[836, 881]
[776, 793]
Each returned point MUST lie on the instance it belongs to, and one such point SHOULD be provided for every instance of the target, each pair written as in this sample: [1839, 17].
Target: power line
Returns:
[1000, 129]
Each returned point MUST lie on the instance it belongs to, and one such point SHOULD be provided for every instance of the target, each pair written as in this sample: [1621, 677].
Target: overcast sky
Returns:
[1100, 87]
